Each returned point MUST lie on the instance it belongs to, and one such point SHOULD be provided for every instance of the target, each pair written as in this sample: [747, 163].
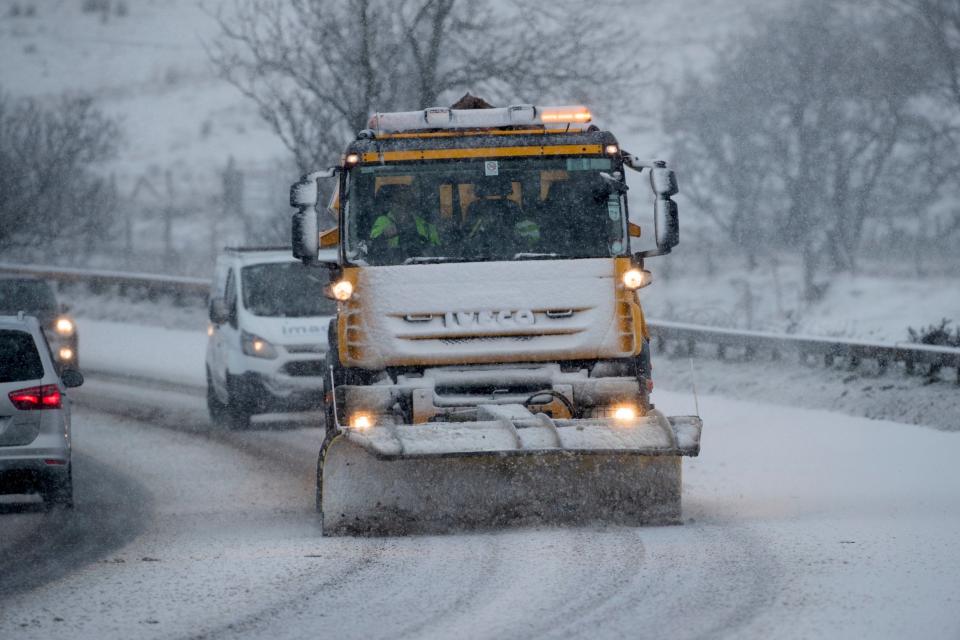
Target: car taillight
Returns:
[45, 397]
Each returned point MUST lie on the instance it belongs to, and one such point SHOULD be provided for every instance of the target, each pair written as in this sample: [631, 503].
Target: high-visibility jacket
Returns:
[426, 230]
[526, 229]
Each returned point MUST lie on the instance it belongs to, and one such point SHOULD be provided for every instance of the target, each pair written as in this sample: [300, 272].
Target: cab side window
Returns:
[230, 298]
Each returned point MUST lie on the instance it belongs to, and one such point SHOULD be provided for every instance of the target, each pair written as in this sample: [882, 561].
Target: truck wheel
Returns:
[329, 421]
[58, 491]
[327, 439]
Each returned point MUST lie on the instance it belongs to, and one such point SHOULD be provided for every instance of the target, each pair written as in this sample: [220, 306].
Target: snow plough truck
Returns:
[489, 361]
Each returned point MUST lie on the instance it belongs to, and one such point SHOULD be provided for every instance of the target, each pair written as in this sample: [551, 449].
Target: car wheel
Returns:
[58, 491]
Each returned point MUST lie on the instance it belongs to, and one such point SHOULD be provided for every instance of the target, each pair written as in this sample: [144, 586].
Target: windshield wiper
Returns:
[433, 260]
[536, 256]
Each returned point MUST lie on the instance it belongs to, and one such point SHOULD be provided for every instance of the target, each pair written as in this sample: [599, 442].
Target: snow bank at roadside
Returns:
[170, 355]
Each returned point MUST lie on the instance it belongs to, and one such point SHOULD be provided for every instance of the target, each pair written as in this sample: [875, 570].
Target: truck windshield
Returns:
[475, 210]
[285, 289]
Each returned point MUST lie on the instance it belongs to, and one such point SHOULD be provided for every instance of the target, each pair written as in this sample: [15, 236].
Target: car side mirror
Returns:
[64, 308]
[71, 377]
[219, 314]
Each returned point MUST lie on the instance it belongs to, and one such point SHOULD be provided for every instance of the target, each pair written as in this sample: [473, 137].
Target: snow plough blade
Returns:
[502, 469]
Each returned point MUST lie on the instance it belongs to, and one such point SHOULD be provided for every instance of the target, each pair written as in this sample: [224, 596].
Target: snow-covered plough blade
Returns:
[441, 476]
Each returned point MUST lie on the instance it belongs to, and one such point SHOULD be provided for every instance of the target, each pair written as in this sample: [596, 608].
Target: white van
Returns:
[267, 343]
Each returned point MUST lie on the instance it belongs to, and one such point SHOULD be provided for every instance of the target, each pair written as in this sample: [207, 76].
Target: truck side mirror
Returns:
[666, 220]
[304, 236]
[219, 314]
[304, 228]
[304, 193]
[666, 224]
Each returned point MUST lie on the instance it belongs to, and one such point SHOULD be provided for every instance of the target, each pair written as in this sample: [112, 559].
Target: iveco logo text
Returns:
[522, 317]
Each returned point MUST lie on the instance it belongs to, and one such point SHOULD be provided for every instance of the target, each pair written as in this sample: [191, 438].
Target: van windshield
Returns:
[285, 290]
[30, 296]
[476, 210]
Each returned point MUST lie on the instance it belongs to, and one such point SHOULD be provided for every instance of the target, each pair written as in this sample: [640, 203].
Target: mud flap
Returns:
[442, 476]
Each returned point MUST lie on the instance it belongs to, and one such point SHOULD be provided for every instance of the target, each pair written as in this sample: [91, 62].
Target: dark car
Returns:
[35, 297]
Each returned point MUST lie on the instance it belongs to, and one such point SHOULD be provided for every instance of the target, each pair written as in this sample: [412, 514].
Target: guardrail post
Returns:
[749, 352]
[721, 351]
[691, 347]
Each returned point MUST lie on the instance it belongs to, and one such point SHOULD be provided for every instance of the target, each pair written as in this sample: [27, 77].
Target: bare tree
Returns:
[802, 129]
[935, 39]
[48, 189]
[937, 27]
[317, 69]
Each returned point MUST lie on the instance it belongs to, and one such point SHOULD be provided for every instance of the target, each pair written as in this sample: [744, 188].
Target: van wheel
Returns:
[240, 406]
[215, 408]
[58, 491]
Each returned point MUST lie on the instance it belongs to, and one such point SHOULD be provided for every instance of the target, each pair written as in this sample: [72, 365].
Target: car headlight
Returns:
[254, 345]
[64, 326]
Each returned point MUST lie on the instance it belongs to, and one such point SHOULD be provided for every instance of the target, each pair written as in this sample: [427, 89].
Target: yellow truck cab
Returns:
[487, 310]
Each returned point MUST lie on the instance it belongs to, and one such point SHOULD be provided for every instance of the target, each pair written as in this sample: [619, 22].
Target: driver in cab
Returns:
[400, 226]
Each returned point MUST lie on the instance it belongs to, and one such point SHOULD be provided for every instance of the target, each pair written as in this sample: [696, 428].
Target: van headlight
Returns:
[254, 345]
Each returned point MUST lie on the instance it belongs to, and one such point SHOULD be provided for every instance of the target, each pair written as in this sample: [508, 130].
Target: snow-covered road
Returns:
[798, 524]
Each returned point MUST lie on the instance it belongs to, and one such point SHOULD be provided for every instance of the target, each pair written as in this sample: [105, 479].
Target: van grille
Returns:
[305, 368]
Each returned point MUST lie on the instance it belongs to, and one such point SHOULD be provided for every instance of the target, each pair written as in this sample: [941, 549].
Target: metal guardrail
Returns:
[829, 349]
[663, 332]
[151, 283]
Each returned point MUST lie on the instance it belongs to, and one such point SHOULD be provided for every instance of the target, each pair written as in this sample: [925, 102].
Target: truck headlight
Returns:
[342, 290]
[64, 326]
[636, 278]
[65, 354]
[254, 345]
[624, 413]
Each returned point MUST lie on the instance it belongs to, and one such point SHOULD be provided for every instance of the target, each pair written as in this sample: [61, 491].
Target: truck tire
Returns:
[327, 439]
[341, 376]
[58, 490]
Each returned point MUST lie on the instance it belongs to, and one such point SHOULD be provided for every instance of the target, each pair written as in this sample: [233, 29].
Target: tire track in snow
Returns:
[111, 509]
[507, 583]
[697, 581]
